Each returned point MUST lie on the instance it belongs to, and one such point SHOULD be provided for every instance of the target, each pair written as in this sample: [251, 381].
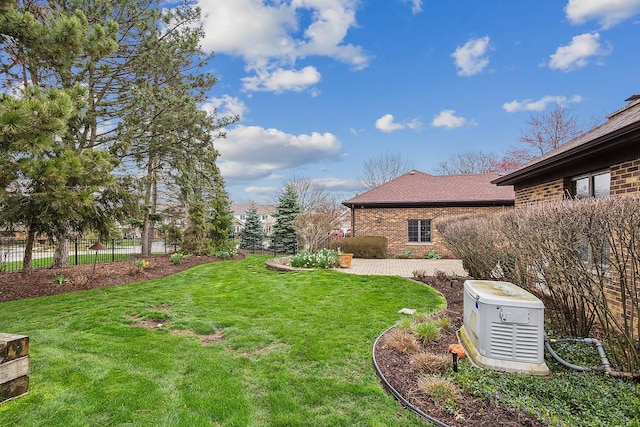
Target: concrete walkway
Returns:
[404, 267]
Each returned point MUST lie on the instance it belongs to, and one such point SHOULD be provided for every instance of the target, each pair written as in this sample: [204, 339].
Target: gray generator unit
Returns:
[503, 327]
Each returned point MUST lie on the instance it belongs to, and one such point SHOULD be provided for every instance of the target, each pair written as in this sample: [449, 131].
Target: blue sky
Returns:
[324, 85]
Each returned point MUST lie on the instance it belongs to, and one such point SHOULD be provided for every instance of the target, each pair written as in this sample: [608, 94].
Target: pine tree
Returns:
[195, 239]
[252, 234]
[221, 221]
[284, 233]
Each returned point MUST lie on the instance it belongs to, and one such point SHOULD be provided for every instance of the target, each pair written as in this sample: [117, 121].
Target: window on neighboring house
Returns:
[419, 230]
[592, 185]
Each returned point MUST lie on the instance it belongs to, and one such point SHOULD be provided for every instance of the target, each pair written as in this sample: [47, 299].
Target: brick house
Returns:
[404, 210]
[604, 161]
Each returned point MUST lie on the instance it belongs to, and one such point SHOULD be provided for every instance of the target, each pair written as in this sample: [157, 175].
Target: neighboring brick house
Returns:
[604, 161]
[404, 210]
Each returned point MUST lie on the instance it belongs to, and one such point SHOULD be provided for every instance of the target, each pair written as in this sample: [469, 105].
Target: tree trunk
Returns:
[145, 238]
[28, 251]
[61, 253]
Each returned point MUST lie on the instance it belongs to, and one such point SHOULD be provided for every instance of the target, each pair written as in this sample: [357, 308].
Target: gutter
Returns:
[592, 147]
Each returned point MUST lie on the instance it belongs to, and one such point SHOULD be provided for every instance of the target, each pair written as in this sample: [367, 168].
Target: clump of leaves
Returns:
[430, 363]
[441, 276]
[419, 274]
[443, 392]
[226, 253]
[426, 331]
[60, 280]
[324, 258]
[402, 342]
[433, 255]
[177, 258]
[140, 264]
[404, 323]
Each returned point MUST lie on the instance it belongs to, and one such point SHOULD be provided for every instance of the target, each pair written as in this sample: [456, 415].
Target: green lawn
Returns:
[296, 352]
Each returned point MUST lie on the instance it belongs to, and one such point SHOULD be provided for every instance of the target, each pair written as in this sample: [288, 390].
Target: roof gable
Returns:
[421, 188]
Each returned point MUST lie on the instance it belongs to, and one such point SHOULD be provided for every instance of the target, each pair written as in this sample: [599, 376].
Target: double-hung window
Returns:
[419, 230]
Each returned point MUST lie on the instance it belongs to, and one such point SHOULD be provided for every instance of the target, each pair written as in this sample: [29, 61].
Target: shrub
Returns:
[176, 258]
[324, 258]
[226, 253]
[430, 363]
[433, 255]
[576, 255]
[362, 247]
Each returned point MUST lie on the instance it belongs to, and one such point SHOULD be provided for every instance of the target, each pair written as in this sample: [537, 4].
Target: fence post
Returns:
[76, 247]
[113, 250]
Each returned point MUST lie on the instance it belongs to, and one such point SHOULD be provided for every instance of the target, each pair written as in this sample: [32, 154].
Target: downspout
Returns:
[353, 220]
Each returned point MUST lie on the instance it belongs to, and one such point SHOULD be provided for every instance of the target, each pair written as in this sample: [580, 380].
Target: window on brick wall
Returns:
[595, 184]
[419, 230]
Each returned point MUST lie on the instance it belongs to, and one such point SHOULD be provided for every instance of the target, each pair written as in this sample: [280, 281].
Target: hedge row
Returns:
[362, 246]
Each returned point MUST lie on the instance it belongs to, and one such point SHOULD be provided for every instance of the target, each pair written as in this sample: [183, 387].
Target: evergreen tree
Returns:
[221, 221]
[284, 233]
[195, 239]
[252, 234]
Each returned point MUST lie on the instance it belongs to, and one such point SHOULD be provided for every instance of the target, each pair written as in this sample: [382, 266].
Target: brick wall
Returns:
[625, 178]
[392, 223]
[552, 190]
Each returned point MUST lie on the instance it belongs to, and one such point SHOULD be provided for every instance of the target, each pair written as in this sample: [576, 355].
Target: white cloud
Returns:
[280, 80]
[388, 124]
[263, 192]
[608, 13]
[539, 105]
[227, 105]
[269, 37]
[471, 58]
[449, 120]
[416, 5]
[252, 152]
[337, 184]
[576, 54]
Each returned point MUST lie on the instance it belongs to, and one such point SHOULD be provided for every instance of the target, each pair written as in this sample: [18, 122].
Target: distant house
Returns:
[404, 209]
[265, 212]
[604, 161]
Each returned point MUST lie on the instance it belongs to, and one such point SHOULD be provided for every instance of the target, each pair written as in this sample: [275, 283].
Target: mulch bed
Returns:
[42, 282]
[404, 379]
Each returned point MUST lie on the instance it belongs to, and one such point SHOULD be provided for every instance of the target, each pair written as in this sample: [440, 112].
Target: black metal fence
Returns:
[12, 252]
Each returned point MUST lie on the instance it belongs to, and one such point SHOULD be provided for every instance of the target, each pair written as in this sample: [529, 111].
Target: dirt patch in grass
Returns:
[403, 377]
[15, 285]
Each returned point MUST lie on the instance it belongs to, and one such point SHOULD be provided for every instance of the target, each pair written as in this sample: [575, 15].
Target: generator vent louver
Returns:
[503, 327]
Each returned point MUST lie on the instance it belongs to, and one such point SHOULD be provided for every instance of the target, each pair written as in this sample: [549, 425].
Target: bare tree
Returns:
[547, 131]
[467, 163]
[314, 228]
[312, 196]
[378, 170]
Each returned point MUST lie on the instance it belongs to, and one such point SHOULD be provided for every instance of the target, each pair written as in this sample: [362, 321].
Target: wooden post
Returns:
[14, 366]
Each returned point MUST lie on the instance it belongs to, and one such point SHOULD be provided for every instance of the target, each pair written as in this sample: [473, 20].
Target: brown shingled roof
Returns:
[418, 188]
[620, 124]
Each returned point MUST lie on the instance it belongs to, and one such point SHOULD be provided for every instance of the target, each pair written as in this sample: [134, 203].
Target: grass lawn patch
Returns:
[290, 349]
